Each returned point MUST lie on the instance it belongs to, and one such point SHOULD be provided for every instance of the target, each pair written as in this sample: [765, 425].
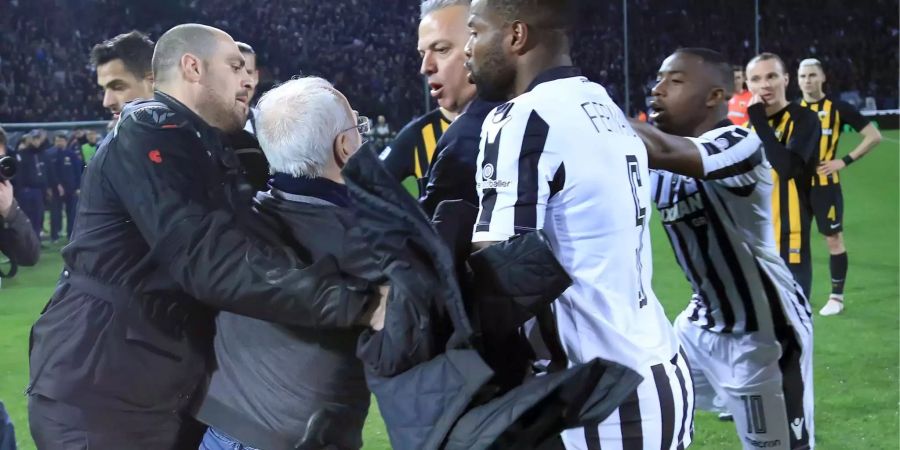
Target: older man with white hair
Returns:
[277, 386]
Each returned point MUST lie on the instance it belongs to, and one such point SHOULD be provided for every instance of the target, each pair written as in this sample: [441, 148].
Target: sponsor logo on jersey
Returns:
[827, 131]
[682, 208]
[764, 444]
[487, 172]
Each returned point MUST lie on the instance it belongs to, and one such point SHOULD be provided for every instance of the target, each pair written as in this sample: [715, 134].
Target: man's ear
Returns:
[519, 43]
[715, 96]
[191, 67]
[341, 150]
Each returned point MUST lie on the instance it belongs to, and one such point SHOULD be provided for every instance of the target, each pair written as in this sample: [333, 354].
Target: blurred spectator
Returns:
[56, 191]
[31, 180]
[90, 147]
[382, 132]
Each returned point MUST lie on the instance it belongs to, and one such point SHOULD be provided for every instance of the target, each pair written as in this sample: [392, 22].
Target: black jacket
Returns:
[430, 368]
[17, 239]
[164, 232]
[452, 173]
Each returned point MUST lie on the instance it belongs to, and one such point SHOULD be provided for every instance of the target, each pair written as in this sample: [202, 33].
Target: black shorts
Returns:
[828, 207]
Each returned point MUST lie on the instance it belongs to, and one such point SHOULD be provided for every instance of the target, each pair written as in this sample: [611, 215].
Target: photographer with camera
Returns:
[18, 241]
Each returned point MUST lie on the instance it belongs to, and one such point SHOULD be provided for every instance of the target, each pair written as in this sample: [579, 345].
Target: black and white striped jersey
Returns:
[562, 158]
[721, 231]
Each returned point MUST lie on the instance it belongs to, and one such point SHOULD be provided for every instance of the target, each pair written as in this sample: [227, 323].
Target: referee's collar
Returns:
[556, 73]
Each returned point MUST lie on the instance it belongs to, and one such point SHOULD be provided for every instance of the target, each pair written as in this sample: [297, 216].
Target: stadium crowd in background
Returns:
[368, 51]
[48, 74]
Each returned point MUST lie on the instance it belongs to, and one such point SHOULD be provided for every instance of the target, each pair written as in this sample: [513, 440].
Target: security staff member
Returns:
[160, 236]
[69, 169]
[56, 194]
[31, 181]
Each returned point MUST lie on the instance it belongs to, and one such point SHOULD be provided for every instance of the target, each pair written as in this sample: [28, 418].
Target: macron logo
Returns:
[797, 427]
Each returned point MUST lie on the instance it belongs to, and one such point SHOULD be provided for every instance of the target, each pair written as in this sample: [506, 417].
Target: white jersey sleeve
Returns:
[730, 155]
[514, 174]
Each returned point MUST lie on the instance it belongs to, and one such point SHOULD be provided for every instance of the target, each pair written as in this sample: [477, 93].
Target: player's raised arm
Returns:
[669, 152]
[732, 153]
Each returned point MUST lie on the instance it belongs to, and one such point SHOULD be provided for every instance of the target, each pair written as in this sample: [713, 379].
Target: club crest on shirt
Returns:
[822, 114]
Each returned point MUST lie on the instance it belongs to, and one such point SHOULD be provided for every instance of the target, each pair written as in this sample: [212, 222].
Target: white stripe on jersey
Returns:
[562, 158]
[721, 231]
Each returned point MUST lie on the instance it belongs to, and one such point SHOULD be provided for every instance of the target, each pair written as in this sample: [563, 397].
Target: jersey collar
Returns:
[722, 124]
[555, 73]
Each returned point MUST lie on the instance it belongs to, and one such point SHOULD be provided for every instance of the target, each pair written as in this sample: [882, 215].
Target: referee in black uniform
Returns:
[827, 198]
[790, 134]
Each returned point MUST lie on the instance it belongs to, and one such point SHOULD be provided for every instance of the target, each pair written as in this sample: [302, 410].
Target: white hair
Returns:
[430, 6]
[297, 124]
[811, 62]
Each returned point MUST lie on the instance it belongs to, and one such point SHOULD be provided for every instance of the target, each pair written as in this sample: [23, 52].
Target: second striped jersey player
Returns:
[747, 330]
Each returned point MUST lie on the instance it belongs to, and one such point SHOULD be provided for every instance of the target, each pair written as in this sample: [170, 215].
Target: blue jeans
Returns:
[7, 433]
[217, 440]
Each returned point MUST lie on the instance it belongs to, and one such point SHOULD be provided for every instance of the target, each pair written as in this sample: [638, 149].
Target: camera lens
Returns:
[7, 167]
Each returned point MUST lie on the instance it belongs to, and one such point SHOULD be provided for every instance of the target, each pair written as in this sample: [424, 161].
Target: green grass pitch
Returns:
[856, 354]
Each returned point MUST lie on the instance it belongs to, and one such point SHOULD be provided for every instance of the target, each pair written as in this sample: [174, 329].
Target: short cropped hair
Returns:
[430, 6]
[765, 56]
[199, 40]
[134, 48]
[297, 123]
[549, 14]
[724, 73]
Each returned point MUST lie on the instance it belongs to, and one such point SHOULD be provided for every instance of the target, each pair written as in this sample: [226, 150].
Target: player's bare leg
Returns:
[838, 268]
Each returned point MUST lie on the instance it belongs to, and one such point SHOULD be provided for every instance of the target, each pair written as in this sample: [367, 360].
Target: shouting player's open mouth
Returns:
[436, 89]
[656, 110]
